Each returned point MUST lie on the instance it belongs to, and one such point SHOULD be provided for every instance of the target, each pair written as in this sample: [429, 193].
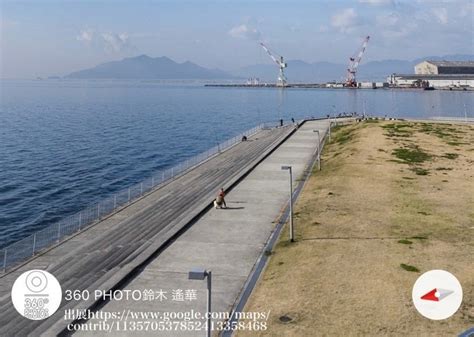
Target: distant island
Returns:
[145, 67]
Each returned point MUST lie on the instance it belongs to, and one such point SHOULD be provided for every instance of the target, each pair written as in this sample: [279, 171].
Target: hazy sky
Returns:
[42, 38]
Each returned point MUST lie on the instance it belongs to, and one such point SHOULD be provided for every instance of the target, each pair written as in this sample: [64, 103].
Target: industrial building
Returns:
[437, 74]
[448, 81]
[444, 67]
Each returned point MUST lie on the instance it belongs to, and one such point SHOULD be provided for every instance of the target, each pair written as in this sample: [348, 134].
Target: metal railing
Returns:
[24, 249]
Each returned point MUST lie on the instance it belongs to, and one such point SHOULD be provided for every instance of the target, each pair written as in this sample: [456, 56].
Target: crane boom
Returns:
[354, 64]
[281, 82]
[269, 53]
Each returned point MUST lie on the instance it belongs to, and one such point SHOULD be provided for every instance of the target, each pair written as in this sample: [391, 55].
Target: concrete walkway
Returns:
[105, 254]
[226, 241]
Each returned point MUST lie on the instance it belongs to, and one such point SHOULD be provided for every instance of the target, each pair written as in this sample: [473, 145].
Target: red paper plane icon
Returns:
[436, 294]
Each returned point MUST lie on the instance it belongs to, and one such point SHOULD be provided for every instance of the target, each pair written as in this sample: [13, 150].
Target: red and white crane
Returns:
[281, 82]
[354, 62]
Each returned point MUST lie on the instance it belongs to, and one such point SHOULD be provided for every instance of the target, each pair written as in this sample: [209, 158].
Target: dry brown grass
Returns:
[343, 276]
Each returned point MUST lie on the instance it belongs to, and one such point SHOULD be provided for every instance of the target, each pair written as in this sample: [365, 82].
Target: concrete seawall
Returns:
[159, 238]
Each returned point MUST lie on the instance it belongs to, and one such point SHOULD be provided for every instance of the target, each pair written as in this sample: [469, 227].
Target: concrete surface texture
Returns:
[226, 241]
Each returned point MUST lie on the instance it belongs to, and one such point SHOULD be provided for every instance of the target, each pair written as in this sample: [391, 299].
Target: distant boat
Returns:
[429, 88]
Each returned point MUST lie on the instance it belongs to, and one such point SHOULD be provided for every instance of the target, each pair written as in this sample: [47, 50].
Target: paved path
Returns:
[227, 241]
[101, 256]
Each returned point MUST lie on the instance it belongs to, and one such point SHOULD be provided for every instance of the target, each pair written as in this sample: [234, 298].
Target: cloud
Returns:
[115, 42]
[345, 20]
[441, 14]
[245, 31]
[108, 41]
[85, 36]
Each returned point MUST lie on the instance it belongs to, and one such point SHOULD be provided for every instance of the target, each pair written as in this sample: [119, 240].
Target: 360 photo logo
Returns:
[36, 294]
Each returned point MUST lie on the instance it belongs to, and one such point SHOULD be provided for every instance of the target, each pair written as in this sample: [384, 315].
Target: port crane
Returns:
[281, 82]
[354, 62]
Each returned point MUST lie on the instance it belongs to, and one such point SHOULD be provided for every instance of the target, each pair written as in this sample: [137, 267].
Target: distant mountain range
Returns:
[145, 67]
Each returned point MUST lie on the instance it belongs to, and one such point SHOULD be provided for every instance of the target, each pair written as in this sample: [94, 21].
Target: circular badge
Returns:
[437, 294]
[36, 294]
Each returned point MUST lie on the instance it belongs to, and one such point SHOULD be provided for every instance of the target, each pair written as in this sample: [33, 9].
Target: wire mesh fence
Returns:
[55, 233]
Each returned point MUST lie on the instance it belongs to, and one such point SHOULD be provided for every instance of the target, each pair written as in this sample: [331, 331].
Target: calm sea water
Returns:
[68, 144]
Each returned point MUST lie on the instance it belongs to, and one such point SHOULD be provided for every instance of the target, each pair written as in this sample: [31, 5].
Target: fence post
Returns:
[152, 182]
[141, 188]
[5, 260]
[59, 231]
[129, 194]
[98, 211]
[80, 220]
[115, 201]
[162, 176]
[34, 243]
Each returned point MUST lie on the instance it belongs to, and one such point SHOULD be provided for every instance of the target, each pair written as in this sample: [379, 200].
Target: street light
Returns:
[319, 154]
[201, 274]
[287, 167]
[334, 114]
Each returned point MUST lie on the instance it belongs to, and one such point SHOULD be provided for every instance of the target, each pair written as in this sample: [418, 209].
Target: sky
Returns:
[48, 38]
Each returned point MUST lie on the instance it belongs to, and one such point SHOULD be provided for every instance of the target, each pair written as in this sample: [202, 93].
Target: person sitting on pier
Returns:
[220, 201]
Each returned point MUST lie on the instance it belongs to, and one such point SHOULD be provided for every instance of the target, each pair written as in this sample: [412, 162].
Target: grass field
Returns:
[394, 199]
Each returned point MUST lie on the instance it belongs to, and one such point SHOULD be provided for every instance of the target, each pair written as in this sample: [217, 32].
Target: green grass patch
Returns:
[407, 267]
[450, 155]
[420, 171]
[419, 238]
[405, 242]
[398, 129]
[411, 155]
[445, 132]
[343, 136]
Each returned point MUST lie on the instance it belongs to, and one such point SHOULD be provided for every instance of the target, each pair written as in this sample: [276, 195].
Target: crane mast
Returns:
[354, 64]
[281, 81]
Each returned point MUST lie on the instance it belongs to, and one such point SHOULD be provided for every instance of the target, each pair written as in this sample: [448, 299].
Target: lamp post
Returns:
[287, 167]
[201, 274]
[319, 154]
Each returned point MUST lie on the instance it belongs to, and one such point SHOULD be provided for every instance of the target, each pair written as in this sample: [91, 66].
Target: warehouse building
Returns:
[448, 81]
[444, 67]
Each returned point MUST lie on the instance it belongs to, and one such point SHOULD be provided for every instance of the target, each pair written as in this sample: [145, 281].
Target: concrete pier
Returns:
[154, 242]
[226, 241]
